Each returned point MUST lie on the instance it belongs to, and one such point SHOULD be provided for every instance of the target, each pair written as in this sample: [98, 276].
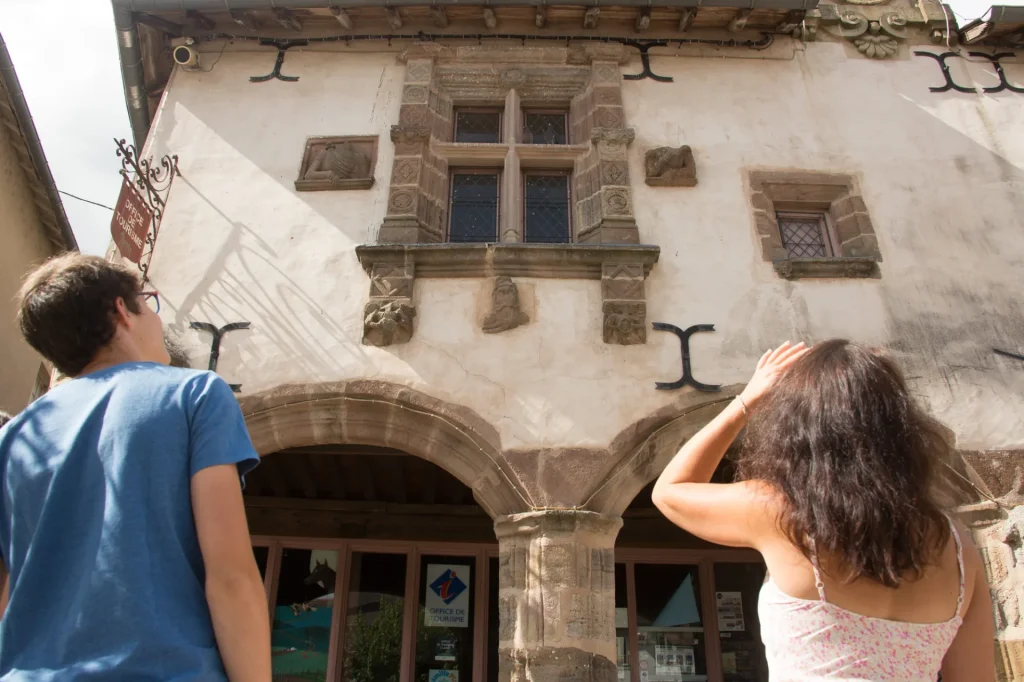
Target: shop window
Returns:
[670, 630]
[478, 125]
[375, 618]
[303, 608]
[546, 208]
[737, 586]
[545, 127]
[474, 206]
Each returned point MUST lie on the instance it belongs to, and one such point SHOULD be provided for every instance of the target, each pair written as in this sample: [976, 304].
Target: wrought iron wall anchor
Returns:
[645, 61]
[281, 46]
[684, 343]
[1004, 84]
[1015, 356]
[218, 334]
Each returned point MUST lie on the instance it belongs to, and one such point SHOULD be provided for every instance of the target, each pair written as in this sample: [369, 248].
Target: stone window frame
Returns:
[412, 240]
[836, 195]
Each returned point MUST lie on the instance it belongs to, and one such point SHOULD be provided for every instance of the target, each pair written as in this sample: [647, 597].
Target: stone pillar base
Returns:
[1010, 658]
[556, 600]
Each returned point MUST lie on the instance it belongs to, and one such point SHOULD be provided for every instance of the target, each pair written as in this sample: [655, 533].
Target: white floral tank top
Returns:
[810, 640]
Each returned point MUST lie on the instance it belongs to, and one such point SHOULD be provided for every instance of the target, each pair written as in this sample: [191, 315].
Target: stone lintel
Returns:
[801, 268]
[554, 261]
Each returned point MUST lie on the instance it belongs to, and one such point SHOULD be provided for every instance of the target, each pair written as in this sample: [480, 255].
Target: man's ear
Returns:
[122, 316]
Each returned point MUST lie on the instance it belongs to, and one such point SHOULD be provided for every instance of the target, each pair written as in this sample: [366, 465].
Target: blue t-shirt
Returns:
[96, 526]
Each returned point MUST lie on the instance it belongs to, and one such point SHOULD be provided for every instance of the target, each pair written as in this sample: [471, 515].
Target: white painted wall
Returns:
[942, 175]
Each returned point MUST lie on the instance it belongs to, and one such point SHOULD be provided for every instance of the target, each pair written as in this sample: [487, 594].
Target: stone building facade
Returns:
[470, 243]
[34, 228]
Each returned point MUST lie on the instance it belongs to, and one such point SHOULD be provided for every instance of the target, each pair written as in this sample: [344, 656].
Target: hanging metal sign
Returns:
[146, 186]
[130, 225]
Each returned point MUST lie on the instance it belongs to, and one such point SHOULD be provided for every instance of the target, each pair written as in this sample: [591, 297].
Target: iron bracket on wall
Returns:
[1015, 356]
[684, 343]
[281, 46]
[218, 334]
[645, 61]
[950, 84]
[155, 182]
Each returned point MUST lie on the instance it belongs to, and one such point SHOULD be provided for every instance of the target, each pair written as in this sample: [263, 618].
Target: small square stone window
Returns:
[545, 127]
[546, 203]
[806, 235]
[813, 224]
[473, 206]
[479, 126]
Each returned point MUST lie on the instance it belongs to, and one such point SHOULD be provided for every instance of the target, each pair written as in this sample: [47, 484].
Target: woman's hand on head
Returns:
[770, 368]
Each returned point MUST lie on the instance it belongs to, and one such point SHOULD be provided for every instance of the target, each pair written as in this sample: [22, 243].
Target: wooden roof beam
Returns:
[394, 18]
[686, 19]
[490, 18]
[739, 22]
[287, 19]
[201, 20]
[643, 20]
[440, 16]
[246, 20]
[343, 18]
[591, 17]
[540, 17]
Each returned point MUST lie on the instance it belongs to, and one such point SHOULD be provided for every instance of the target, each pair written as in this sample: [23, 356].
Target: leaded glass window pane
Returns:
[804, 235]
[478, 126]
[474, 207]
[547, 208]
[544, 128]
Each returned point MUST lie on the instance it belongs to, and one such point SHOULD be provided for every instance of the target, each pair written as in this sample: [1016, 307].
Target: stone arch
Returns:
[643, 449]
[383, 414]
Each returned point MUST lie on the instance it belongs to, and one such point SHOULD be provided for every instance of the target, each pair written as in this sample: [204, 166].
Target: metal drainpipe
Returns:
[35, 147]
[132, 74]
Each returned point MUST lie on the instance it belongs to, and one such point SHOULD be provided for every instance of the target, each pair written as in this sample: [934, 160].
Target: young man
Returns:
[121, 515]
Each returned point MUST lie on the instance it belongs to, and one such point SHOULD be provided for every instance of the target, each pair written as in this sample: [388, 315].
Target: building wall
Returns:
[941, 173]
[24, 246]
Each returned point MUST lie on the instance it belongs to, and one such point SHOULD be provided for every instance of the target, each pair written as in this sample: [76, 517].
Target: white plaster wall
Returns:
[24, 247]
[942, 175]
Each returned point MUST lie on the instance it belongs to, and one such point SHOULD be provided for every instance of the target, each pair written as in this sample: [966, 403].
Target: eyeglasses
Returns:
[152, 300]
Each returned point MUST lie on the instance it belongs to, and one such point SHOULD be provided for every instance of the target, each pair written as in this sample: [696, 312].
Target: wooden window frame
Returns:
[548, 111]
[500, 111]
[499, 173]
[828, 235]
[413, 551]
[554, 172]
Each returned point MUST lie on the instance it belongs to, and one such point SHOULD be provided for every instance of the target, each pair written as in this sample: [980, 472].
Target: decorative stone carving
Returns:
[876, 39]
[388, 321]
[850, 268]
[336, 163]
[625, 323]
[670, 167]
[505, 311]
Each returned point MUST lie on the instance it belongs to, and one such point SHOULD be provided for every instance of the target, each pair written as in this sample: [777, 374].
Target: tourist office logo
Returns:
[447, 596]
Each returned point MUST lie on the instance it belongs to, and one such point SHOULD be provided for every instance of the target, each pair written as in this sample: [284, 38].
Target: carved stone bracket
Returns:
[670, 167]
[877, 36]
[621, 269]
[388, 316]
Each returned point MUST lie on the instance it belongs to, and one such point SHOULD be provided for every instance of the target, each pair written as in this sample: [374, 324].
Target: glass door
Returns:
[445, 623]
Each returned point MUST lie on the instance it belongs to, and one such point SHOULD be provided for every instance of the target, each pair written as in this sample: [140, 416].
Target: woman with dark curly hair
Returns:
[869, 579]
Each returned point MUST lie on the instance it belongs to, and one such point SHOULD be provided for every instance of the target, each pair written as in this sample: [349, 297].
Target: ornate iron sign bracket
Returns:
[218, 334]
[684, 343]
[154, 184]
[281, 46]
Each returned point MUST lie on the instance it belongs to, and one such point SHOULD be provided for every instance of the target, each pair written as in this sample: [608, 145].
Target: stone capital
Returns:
[621, 135]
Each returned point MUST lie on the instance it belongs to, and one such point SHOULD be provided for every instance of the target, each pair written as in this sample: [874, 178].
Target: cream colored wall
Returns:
[942, 175]
[23, 246]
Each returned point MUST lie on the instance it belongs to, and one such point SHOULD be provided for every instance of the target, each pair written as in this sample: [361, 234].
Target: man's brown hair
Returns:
[66, 308]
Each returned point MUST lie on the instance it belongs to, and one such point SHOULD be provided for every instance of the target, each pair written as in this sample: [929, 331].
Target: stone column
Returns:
[557, 597]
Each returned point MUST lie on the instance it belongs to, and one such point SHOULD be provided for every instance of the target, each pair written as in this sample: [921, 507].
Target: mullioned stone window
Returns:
[510, 162]
[813, 224]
